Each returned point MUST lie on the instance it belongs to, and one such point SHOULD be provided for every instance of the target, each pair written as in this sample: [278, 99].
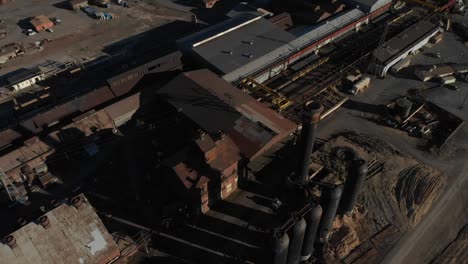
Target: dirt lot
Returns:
[447, 214]
[397, 192]
[79, 36]
[455, 252]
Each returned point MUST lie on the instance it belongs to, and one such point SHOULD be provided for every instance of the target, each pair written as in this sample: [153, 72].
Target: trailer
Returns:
[360, 85]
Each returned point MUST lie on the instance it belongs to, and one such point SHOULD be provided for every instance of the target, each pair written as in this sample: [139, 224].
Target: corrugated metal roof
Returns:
[241, 47]
[7, 136]
[369, 5]
[215, 105]
[401, 42]
[74, 235]
[242, 102]
[311, 35]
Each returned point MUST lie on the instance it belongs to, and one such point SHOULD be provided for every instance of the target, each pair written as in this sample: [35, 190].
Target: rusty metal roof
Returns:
[215, 105]
[73, 235]
[36, 150]
[7, 136]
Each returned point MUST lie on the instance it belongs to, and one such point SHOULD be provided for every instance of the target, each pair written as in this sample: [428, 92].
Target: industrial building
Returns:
[204, 172]
[366, 6]
[8, 52]
[25, 78]
[71, 232]
[404, 44]
[41, 23]
[251, 46]
[218, 108]
[237, 47]
[77, 4]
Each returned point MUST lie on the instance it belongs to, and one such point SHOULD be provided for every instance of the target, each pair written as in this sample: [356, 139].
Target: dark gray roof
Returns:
[23, 75]
[404, 41]
[257, 38]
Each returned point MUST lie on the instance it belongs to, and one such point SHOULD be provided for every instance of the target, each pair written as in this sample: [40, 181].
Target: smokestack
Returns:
[329, 201]
[310, 118]
[353, 185]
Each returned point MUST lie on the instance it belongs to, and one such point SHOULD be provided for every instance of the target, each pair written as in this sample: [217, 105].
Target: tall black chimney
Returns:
[310, 118]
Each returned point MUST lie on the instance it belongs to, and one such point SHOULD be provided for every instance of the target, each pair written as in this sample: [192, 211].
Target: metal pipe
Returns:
[310, 118]
[353, 185]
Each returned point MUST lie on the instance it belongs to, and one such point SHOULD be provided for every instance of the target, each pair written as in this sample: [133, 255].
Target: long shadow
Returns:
[63, 5]
[365, 107]
[256, 218]
[24, 23]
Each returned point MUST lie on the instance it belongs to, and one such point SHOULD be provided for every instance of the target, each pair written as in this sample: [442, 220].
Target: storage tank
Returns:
[353, 185]
[280, 245]
[312, 219]
[296, 233]
[329, 201]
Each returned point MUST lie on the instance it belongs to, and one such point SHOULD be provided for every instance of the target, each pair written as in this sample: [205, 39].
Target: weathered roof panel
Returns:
[73, 235]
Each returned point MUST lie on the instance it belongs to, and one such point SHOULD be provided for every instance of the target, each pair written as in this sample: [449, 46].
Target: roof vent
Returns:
[77, 201]
[44, 221]
[9, 241]
[250, 55]
[22, 221]
[228, 52]
[250, 42]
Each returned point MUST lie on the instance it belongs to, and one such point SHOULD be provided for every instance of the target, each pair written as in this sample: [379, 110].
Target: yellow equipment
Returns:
[279, 100]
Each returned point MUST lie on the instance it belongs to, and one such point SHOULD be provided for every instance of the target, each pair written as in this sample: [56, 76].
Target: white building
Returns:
[25, 79]
[406, 43]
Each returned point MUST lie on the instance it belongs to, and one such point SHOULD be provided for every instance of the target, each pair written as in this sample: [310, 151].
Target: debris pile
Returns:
[415, 190]
[396, 193]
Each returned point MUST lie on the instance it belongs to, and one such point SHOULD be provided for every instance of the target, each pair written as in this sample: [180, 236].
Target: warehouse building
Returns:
[70, 233]
[233, 127]
[401, 46]
[239, 46]
[218, 108]
[41, 23]
[77, 4]
[251, 46]
[25, 78]
[367, 6]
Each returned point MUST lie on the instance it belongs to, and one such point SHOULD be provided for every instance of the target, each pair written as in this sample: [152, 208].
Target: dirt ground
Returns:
[455, 252]
[397, 192]
[79, 37]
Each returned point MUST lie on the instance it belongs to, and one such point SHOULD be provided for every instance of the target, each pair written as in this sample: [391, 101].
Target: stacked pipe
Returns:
[353, 185]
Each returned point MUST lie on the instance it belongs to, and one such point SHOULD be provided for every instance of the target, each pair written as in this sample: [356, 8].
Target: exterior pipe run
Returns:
[310, 118]
[353, 185]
